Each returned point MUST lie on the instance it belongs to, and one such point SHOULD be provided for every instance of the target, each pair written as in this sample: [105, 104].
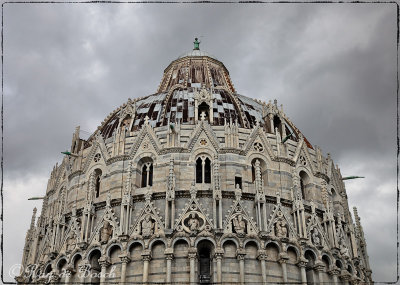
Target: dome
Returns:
[194, 53]
[197, 80]
[195, 184]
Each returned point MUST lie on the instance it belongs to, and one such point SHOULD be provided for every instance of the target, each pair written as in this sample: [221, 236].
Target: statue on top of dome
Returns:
[196, 44]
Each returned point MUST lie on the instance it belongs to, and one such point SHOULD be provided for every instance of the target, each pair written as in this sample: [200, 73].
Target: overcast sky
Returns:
[332, 66]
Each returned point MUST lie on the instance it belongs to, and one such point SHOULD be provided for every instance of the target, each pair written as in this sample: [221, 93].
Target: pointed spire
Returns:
[33, 218]
[357, 218]
[108, 200]
[193, 190]
[148, 195]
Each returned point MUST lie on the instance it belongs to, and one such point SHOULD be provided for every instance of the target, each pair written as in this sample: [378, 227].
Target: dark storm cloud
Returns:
[333, 67]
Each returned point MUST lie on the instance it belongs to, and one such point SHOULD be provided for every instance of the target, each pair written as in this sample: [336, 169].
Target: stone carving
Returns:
[281, 229]
[315, 238]
[238, 192]
[258, 146]
[147, 227]
[344, 251]
[239, 225]
[193, 222]
[105, 232]
[71, 242]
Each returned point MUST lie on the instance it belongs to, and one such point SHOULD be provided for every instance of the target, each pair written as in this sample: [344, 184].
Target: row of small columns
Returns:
[219, 253]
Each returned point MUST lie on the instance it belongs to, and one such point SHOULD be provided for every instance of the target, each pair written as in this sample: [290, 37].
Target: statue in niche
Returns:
[126, 123]
[281, 229]
[71, 242]
[315, 237]
[147, 227]
[239, 225]
[105, 232]
[193, 223]
[238, 192]
[344, 251]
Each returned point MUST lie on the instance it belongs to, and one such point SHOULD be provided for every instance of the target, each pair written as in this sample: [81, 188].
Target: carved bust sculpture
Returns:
[239, 225]
[281, 230]
[105, 233]
[193, 222]
[147, 226]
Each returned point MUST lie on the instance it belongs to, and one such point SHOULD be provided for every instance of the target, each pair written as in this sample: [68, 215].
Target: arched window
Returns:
[97, 182]
[205, 253]
[203, 170]
[302, 187]
[304, 179]
[310, 274]
[147, 174]
[95, 266]
[204, 111]
[277, 124]
[259, 163]
[97, 186]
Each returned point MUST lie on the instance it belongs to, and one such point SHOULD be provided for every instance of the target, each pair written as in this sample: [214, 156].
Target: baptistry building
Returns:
[195, 184]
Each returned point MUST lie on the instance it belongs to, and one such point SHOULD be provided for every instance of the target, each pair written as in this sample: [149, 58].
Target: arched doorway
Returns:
[205, 251]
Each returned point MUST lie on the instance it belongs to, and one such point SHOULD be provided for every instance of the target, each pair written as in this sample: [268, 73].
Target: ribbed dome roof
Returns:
[185, 81]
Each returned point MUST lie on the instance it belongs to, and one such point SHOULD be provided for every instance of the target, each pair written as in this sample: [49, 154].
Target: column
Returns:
[240, 254]
[169, 256]
[146, 256]
[219, 253]
[192, 258]
[334, 272]
[345, 276]
[203, 170]
[104, 263]
[319, 267]
[302, 264]
[125, 260]
[283, 259]
[84, 271]
[262, 256]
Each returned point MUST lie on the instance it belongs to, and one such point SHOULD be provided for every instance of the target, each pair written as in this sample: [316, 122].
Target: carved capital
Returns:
[334, 271]
[146, 255]
[124, 258]
[219, 253]
[169, 256]
[283, 258]
[104, 261]
[240, 256]
[302, 262]
[192, 253]
[240, 253]
[345, 275]
[319, 267]
[261, 255]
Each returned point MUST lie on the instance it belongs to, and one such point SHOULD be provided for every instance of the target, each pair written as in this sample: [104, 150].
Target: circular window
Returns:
[258, 146]
[97, 157]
